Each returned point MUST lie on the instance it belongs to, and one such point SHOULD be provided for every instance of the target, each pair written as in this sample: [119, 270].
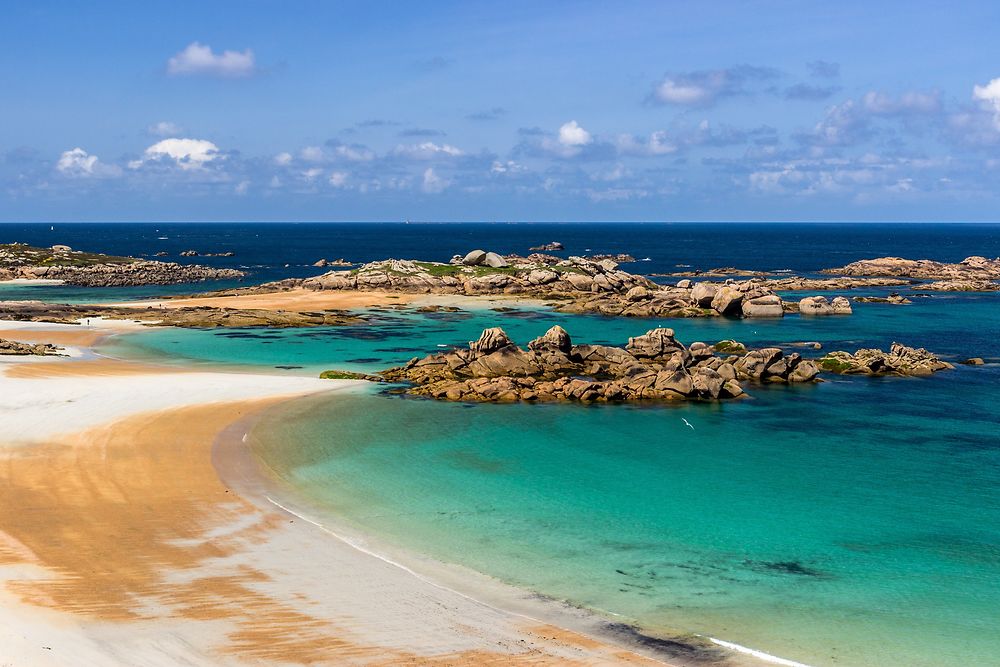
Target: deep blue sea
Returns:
[853, 522]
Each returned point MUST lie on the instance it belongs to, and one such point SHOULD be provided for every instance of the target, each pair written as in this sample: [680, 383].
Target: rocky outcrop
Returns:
[140, 272]
[187, 317]
[894, 298]
[322, 263]
[618, 258]
[960, 286]
[798, 284]
[971, 268]
[654, 366]
[899, 360]
[820, 305]
[548, 247]
[576, 284]
[96, 270]
[722, 272]
[13, 347]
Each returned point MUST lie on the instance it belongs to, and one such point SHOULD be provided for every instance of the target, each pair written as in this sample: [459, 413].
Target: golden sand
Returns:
[81, 338]
[84, 368]
[299, 300]
[132, 524]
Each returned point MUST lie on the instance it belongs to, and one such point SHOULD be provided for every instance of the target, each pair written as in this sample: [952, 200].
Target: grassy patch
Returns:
[16, 254]
[834, 365]
[343, 375]
[440, 269]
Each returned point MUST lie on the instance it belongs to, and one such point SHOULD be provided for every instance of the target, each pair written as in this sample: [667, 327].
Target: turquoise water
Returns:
[855, 522]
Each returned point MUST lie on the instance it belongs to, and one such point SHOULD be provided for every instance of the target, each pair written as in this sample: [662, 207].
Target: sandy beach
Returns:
[302, 300]
[125, 538]
[295, 299]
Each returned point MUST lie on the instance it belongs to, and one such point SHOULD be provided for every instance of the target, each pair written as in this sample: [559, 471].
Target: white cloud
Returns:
[311, 154]
[354, 153]
[910, 102]
[164, 129]
[428, 150]
[703, 87]
[432, 182]
[659, 143]
[572, 135]
[338, 179]
[334, 152]
[312, 174]
[78, 163]
[508, 167]
[283, 159]
[990, 95]
[186, 153]
[674, 92]
[199, 59]
[242, 187]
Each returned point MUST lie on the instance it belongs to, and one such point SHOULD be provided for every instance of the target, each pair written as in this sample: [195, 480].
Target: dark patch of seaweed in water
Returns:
[792, 567]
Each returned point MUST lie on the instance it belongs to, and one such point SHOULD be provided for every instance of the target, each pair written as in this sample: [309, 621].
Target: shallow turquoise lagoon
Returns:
[854, 522]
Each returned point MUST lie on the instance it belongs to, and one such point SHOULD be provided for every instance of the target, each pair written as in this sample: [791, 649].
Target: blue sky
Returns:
[499, 111]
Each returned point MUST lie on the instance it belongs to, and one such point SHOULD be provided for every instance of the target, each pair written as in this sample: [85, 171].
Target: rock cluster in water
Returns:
[820, 305]
[974, 269]
[548, 247]
[576, 284]
[899, 360]
[96, 270]
[13, 347]
[654, 366]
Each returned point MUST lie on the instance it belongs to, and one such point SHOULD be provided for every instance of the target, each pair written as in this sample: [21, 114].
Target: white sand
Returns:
[414, 609]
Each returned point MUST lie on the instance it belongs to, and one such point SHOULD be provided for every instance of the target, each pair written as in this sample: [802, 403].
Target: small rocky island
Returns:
[75, 267]
[972, 274]
[654, 366]
[575, 284]
[899, 360]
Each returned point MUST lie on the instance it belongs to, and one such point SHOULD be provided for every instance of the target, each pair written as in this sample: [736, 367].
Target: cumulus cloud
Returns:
[78, 163]
[432, 183]
[199, 59]
[989, 96]
[188, 154]
[427, 150]
[910, 102]
[658, 143]
[705, 87]
[164, 129]
[338, 179]
[851, 121]
[571, 134]
[283, 159]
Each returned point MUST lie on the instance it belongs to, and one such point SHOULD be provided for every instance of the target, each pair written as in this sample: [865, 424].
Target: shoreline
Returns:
[160, 548]
[253, 479]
